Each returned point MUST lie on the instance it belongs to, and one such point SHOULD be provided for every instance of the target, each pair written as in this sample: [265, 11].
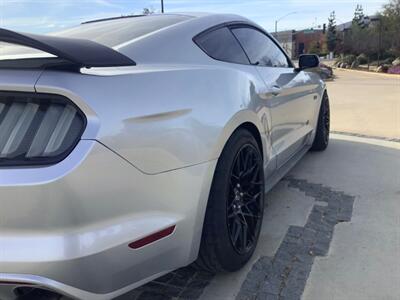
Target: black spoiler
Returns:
[80, 53]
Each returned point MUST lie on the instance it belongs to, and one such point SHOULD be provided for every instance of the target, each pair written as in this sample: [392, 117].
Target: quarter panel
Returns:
[163, 117]
[19, 80]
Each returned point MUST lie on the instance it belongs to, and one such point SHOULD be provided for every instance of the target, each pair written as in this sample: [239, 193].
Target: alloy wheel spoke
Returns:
[250, 215]
[253, 199]
[256, 173]
[244, 206]
[246, 161]
[244, 240]
[249, 171]
[237, 232]
[232, 215]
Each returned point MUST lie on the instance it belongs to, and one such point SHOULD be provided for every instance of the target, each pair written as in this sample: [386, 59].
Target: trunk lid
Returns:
[18, 80]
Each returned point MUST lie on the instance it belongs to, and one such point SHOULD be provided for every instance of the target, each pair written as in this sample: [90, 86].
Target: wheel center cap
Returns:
[238, 200]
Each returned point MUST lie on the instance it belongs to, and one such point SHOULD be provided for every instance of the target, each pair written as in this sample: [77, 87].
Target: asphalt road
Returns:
[362, 260]
[365, 103]
[331, 230]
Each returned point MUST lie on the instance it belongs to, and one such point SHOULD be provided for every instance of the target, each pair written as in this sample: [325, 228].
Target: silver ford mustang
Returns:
[133, 146]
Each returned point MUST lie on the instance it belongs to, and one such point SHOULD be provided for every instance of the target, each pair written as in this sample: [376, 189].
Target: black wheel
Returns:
[321, 140]
[235, 206]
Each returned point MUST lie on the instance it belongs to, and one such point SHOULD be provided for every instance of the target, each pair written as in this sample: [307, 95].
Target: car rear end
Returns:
[76, 217]
[71, 226]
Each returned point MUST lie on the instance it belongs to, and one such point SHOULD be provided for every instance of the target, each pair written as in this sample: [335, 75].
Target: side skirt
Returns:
[282, 171]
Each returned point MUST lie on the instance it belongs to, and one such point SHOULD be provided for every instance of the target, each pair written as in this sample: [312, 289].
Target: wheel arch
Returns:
[255, 133]
[250, 121]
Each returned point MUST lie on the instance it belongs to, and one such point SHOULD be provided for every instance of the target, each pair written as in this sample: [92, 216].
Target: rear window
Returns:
[220, 44]
[118, 31]
[11, 51]
[110, 33]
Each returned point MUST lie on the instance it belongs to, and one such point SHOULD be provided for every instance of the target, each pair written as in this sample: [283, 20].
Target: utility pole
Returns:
[379, 19]
[162, 6]
[380, 41]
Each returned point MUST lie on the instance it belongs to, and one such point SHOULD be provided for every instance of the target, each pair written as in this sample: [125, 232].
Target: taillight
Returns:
[37, 129]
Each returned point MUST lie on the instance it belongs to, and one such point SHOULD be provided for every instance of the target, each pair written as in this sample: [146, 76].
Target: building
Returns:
[308, 38]
[287, 40]
[300, 42]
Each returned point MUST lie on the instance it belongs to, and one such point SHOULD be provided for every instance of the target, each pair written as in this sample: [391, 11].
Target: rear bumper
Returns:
[67, 227]
[12, 282]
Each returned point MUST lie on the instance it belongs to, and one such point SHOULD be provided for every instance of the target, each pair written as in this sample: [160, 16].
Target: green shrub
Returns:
[355, 64]
[362, 59]
[394, 70]
[383, 69]
[388, 61]
[338, 60]
[349, 59]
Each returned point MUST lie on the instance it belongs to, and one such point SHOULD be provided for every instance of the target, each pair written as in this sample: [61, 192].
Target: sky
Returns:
[42, 16]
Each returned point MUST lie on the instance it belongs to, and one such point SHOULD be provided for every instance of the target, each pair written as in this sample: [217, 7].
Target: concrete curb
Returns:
[368, 72]
[360, 135]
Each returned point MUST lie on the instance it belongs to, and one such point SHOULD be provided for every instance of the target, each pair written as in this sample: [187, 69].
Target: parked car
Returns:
[326, 72]
[133, 146]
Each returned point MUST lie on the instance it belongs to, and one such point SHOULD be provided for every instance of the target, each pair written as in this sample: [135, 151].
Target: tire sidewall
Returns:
[321, 139]
[230, 259]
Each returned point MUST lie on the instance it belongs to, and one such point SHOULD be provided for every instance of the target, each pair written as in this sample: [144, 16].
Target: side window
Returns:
[220, 44]
[260, 49]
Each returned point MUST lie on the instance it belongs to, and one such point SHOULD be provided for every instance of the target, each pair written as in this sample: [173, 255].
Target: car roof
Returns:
[174, 44]
[119, 31]
[170, 30]
[160, 15]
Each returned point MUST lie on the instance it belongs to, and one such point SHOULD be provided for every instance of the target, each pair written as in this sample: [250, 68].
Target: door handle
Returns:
[270, 92]
[276, 90]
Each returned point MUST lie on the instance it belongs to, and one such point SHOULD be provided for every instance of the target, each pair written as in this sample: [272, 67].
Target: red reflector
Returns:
[152, 238]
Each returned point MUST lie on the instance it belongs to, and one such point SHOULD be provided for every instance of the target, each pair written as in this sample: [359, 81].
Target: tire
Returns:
[38, 294]
[235, 207]
[321, 140]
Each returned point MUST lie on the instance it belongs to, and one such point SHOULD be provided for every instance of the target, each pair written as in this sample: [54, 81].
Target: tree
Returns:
[392, 9]
[375, 36]
[359, 33]
[314, 48]
[331, 35]
[148, 11]
[390, 22]
[317, 47]
[358, 14]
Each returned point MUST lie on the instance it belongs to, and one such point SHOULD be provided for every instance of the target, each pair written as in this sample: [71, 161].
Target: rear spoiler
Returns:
[80, 53]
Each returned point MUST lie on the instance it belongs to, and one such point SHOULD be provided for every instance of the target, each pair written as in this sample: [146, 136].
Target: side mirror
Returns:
[308, 61]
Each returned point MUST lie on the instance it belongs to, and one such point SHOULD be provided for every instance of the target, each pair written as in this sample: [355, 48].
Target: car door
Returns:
[220, 44]
[289, 94]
